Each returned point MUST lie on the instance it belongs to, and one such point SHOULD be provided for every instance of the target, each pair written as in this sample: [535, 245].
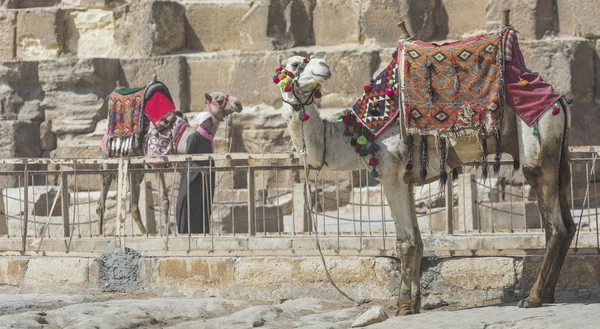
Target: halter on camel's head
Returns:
[221, 105]
[300, 79]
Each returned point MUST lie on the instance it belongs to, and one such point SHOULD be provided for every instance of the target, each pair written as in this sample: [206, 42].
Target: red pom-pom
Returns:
[318, 94]
[276, 80]
[279, 69]
[345, 119]
[373, 162]
[305, 117]
[287, 88]
[357, 148]
[556, 110]
[371, 137]
[289, 73]
[389, 92]
[305, 60]
[367, 88]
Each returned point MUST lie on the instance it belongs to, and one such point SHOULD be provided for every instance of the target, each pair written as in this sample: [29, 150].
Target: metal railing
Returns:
[264, 195]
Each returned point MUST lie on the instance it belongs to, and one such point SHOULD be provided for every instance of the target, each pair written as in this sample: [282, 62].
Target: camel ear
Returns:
[282, 60]
[208, 97]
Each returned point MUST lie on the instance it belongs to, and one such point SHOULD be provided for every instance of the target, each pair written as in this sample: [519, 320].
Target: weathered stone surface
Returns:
[597, 60]
[47, 137]
[20, 91]
[371, 316]
[149, 28]
[208, 74]
[201, 273]
[40, 33]
[172, 71]
[215, 26]
[337, 22]
[75, 92]
[90, 33]
[532, 18]
[378, 21]
[565, 63]
[87, 3]
[464, 16]
[424, 20]
[68, 272]
[250, 76]
[8, 21]
[579, 18]
[276, 24]
[11, 271]
[20, 4]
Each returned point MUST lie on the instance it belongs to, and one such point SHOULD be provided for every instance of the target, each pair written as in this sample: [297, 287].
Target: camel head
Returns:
[301, 75]
[221, 105]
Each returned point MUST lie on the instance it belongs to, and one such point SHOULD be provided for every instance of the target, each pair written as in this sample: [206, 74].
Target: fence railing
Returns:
[264, 195]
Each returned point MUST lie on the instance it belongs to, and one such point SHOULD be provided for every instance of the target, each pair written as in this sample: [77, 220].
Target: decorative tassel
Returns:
[556, 110]
[392, 82]
[357, 149]
[346, 119]
[373, 162]
[498, 156]
[443, 159]
[424, 159]
[287, 88]
[456, 83]
[371, 137]
[362, 140]
[347, 132]
[374, 174]
[367, 88]
[569, 100]
[483, 159]
[373, 148]
[409, 143]
[353, 142]
[536, 132]
[389, 93]
[454, 174]
[363, 153]
[318, 94]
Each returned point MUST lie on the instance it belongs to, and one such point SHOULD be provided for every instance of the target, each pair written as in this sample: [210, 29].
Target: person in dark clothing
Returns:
[201, 185]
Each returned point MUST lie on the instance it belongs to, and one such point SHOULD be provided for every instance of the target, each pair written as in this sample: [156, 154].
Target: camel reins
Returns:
[219, 106]
[300, 106]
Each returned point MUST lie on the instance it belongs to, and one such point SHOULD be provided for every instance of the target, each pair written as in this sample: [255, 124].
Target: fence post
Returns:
[467, 202]
[301, 219]
[3, 218]
[121, 198]
[251, 202]
[64, 203]
[25, 208]
[449, 205]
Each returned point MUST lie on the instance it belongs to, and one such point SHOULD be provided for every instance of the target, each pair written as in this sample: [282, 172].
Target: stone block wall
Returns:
[61, 58]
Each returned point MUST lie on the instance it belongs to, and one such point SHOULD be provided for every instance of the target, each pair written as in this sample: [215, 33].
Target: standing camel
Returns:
[218, 104]
[540, 148]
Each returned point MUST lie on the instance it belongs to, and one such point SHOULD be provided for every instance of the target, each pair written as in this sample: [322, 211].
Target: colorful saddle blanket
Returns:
[159, 142]
[128, 108]
[455, 88]
[378, 106]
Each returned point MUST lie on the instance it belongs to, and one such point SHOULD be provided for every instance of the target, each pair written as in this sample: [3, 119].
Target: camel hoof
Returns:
[403, 312]
[403, 307]
[528, 304]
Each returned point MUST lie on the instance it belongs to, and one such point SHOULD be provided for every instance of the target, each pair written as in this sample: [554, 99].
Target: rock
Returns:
[373, 315]
[90, 33]
[378, 20]
[464, 17]
[20, 4]
[87, 3]
[337, 22]
[251, 78]
[172, 71]
[208, 74]
[149, 28]
[578, 17]
[424, 20]
[20, 91]
[68, 272]
[75, 92]
[47, 137]
[565, 63]
[40, 33]
[8, 21]
[597, 58]
[277, 24]
[532, 18]
[215, 26]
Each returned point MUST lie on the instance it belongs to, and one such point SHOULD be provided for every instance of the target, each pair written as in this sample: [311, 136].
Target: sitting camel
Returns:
[218, 104]
[540, 148]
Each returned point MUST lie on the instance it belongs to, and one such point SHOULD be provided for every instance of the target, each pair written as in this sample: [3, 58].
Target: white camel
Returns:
[220, 106]
[544, 159]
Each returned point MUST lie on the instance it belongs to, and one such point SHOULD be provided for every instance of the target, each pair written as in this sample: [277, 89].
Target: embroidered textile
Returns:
[378, 107]
[160, 144]
[454, 88]
[125, 118]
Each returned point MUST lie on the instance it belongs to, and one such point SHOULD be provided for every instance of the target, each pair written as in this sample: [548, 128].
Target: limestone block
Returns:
[277, 24]
[373, 315]
[8, 21]
[47, 137]
[67, 272]
[532, 18]
[379, 19]
[565, 63]
[578, 272]
[215, 26]
[90, 33]
[75, 92]
[40, 33]
[20, 4]
[11, 271]
[464, 16]
[579, 18]
[597, 59]
[87, 3]
[20, 91]
[251, 76]
[261, 271]
[478, 273]
[424, 20]
[172, 71]
[336, 22]
[149, 28]
[208, 74]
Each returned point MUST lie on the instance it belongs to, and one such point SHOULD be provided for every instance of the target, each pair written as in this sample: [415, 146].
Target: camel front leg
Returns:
[408, 239]
[101, 207]
[164, 198]
[135, 179]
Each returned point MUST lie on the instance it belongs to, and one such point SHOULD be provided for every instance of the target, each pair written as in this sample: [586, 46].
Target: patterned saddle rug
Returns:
[128, 108]
[163, 140]
[453, 89]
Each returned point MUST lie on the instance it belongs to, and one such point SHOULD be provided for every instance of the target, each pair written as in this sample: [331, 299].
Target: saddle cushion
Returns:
[454, 88]
[125, 122]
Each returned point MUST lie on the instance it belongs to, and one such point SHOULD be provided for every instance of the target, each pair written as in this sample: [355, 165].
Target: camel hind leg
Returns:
[135, 179]
[101, 207]
[544, 159]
